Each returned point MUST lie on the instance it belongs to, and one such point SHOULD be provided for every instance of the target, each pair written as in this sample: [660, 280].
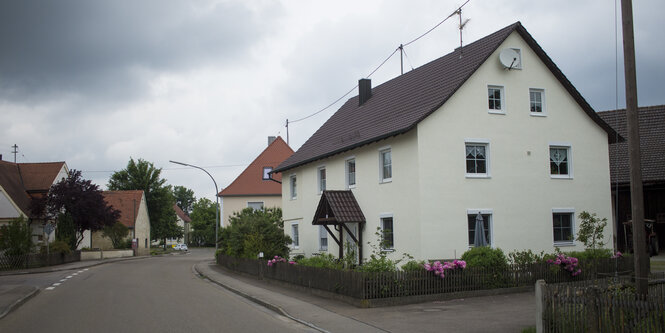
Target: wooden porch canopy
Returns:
[337, 208]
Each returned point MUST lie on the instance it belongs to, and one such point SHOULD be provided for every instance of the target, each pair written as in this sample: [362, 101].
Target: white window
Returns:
[387, 232]
[385, 165]
[495, 99]
[563, 226]
[472, 215]
[561, 161]
[294, 188]
[257, 205]
[323, 238]
[322, 179]
[351, 173]
[266, 173]
[537, 102]
[294, 235]
[477, 156]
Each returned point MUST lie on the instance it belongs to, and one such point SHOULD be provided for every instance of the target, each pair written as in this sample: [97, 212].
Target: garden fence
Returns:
[607, 305]
[371, 285]
[35, 260]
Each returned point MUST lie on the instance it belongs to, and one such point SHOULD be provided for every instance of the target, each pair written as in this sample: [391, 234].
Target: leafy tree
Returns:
[203, 223]
[253, 231]
[591, 230]
[16, 237]
[117, 233]
[143, 175]
[184, 198]
[77, 204]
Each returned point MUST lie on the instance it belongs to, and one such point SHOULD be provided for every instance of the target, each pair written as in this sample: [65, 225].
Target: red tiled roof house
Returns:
[254, 187]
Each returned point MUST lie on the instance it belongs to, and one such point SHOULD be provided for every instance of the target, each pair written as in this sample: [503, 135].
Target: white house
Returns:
[493, 127]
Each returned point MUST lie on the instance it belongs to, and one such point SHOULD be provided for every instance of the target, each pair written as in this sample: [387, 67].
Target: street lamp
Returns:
[216, 196]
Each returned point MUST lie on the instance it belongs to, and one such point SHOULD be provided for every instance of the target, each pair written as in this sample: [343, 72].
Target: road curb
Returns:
[19, 302]
[257, 300]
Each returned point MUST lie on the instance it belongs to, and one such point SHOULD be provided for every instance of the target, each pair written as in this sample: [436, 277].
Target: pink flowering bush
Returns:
[570, 264]
[277, 259]
[617, 255]
[438, 268]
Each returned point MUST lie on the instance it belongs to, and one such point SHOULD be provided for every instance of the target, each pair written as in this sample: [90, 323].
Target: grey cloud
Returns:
[98, 49]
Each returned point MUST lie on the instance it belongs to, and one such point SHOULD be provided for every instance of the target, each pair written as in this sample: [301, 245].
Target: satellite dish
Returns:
[510, 58]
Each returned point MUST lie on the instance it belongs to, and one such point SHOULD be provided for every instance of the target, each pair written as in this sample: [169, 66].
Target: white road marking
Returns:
[68, 277]
[50, 288]
[57, 284]
[63, 280]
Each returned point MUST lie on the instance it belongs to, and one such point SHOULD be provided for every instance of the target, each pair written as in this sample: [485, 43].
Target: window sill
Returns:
[496, 112]
[564, 244]
[388, 250]
[477, 176]
[350, 187]
[561, 177]
[538, 114]
[385, 181]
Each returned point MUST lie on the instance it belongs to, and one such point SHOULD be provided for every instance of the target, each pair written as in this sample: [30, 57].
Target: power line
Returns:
[400, 48]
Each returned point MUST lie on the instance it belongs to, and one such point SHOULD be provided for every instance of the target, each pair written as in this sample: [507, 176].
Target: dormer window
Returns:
[266, 173]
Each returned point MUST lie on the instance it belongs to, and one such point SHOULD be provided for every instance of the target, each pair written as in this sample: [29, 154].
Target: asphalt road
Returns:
[160, 294]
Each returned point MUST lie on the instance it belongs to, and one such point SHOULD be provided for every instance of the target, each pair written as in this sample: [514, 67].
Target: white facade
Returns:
[430, 194]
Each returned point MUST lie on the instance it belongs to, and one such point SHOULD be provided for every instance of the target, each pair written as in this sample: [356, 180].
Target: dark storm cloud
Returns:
[103, 49]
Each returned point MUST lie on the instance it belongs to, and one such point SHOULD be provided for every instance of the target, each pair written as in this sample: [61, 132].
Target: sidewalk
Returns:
[501, 313]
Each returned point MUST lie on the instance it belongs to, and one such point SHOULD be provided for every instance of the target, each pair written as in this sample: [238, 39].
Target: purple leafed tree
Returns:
[81, 200]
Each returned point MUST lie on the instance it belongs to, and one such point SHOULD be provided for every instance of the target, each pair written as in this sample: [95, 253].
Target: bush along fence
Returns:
[37, 260]
[365, 286]
[606, 305]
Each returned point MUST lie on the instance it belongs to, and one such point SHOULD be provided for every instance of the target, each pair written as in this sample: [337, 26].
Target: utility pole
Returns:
[287, 131]
[632, 123]
[15, 151]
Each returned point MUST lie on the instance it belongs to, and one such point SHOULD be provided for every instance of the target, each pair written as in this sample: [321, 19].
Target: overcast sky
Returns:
[94, 83]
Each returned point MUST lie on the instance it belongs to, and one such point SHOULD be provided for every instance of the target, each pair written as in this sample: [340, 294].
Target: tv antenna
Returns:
[461, 27]
[15, 151]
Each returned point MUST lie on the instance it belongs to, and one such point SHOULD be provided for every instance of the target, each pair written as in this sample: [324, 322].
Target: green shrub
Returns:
[16, 238]
[414, 266]
[526, 257]
[57, 246]
[324, 260]
[486, 257]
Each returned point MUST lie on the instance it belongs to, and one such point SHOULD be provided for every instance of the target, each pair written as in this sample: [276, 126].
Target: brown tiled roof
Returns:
[20, 180]
[338, 207]
[251, 182]
[398, 105]
[181, 214]
[40, 176]
[127, 202]
[652, 144]
[10, 180]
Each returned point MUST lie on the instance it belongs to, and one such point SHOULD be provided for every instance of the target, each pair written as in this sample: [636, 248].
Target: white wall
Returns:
[521, 191]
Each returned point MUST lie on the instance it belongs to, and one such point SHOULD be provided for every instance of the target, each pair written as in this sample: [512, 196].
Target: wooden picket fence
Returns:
[35, 260]
[607, 305]
[370, 285]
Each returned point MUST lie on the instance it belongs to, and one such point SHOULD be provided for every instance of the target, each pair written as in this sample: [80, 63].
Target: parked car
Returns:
[181, 247]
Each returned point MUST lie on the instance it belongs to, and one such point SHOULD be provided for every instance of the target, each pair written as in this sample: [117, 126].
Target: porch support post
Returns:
[341, 242]
[360, 243]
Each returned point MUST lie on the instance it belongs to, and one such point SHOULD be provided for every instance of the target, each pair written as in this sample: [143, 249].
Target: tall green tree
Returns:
[142, 175]
[203, 223]
[253, 231]
[78, 204]
[117, 233]
[184, 198]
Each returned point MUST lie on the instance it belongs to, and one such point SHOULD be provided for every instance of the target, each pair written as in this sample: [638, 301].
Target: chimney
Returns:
[364, 91]
[271, 139]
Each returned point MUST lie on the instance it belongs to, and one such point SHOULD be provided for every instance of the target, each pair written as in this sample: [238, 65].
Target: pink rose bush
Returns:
[617, 255]
[438, 268]
[567, 263]
[277, 259]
